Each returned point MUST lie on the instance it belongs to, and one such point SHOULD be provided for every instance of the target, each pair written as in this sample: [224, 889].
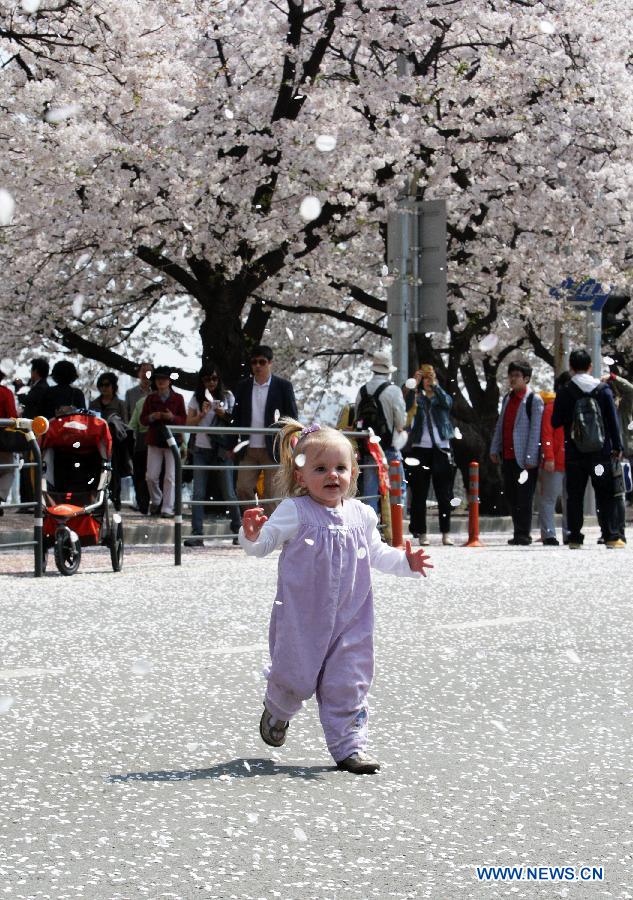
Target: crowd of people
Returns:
[536, 441]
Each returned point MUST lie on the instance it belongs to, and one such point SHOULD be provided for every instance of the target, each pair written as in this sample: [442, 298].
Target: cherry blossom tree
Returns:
[232, 163]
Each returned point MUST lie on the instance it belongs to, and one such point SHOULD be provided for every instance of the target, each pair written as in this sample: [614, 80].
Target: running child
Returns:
[322, 622]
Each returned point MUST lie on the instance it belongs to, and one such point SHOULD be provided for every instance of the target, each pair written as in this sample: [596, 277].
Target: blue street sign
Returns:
[589, 293]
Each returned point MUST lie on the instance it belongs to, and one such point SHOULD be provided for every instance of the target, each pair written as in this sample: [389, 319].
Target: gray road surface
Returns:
[131, 765]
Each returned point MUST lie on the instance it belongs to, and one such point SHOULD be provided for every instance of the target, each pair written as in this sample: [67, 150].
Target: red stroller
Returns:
[77, 452]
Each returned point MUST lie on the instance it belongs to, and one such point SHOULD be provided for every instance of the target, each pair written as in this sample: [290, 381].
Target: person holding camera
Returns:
[163, 406]
[211, 407]
[429, 456]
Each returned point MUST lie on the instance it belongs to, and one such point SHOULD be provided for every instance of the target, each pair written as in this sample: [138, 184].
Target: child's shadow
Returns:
[236, 768]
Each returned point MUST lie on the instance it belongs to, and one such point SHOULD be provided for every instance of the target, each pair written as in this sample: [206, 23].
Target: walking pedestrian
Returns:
[114, 410]
[515, 443]
[211, 407]
[552, 470]
[430, 445]
[163, 406]
[321, 629]
[139, 452]
[586, 409]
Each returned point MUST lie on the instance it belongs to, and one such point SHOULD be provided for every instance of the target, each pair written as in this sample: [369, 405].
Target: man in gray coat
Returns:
[516, 444]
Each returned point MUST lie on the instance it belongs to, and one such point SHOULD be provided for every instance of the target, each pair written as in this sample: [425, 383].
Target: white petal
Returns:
[599, 470]
[300, 835]
[325, 143]
[240, 446]
[309, 542]
[412, 461]
[6, 703]
[361, 553]
[523, 477]
[300, 460]
[547, 27]
[411, 383]
[141, 667]
[489, 342]
[310, 209]
[455, 502]
[290, 334]
[458, 434]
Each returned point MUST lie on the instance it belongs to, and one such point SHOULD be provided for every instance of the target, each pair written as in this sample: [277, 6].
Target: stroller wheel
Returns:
[67, 552]
[116, 546]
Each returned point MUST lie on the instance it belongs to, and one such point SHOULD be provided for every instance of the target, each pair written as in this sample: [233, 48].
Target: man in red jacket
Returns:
[163, 406]
[7, 411]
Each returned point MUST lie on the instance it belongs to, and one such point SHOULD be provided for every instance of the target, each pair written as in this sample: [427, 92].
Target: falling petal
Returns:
[148, 373]
[573, 656]
[208, 395]
[547, 27]
[325, 143]
[266, 671]
[455, 502]
[489, 342]
[300, 460]
[411, 383]
[599, 469]
[309, 542]
[77, 444]
[310, 209]
[228, 113]
[290, 334]
[499, 725]
[7, 207]
[141, 667]
[174, 376]
[374, 439]
[300, 835]
[77, 465]
[361, 553]
[277, 415]
[252, 817]
[523, 477]
[608, 361]
[78, 305]
[240, 446]
[384, 271]
[6, 703]
[458, 434]
[630, 426]
[246, 765]
[256, 497]
[412, 461]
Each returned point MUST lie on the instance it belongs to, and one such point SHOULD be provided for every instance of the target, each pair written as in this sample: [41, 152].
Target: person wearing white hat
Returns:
[390, 401]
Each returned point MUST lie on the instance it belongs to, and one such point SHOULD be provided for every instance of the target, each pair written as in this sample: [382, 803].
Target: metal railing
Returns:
[38, 508]
[222, 432]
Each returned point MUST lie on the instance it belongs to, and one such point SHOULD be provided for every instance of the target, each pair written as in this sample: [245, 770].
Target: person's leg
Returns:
[419, 478]
[6, 475]
[511, 472]
[246, 477]
[152, 475]
[524, 503]
[227, 486]
[550, 488]
[443, 474]
[169, 482]
[343, 685]
[576, 475]
[370, 482]
[606, 508]
[269, 479]
[202, 456]
[139, 462]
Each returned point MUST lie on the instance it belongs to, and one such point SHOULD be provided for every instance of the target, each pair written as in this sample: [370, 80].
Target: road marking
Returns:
[8, 674]
[487, 623]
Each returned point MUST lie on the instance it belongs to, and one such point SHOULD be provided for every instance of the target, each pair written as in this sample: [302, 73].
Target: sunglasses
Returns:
[259, 362]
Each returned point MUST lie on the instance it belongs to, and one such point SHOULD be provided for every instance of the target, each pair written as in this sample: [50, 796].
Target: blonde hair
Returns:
[288, 448]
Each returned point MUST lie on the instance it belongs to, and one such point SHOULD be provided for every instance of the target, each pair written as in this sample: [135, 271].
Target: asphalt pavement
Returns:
[131, 764]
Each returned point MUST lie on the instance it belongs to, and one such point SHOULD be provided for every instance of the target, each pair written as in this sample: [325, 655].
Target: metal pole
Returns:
[171, 443]
[38, 522]
[593, 325]
[399, 334]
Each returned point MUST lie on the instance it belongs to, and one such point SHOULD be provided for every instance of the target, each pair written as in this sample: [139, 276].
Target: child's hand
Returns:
[253, 522]
[417, 559]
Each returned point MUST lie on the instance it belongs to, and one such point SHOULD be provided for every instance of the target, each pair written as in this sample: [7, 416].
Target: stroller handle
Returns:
[38, 425]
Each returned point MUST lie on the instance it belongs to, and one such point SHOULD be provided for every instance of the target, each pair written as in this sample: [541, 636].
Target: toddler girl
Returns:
[322, 622]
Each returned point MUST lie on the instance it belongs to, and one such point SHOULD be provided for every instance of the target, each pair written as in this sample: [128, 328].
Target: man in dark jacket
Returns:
[260, 401]
[579, 465]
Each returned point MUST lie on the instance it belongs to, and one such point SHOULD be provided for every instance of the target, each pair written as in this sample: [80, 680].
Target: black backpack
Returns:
[587, 427]
[370, 414]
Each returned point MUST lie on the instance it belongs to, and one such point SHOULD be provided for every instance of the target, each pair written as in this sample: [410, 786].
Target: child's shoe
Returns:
[360, 764]
[272, 731]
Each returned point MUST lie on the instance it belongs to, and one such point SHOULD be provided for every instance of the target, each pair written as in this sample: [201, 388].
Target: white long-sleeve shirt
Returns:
[283, 526]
